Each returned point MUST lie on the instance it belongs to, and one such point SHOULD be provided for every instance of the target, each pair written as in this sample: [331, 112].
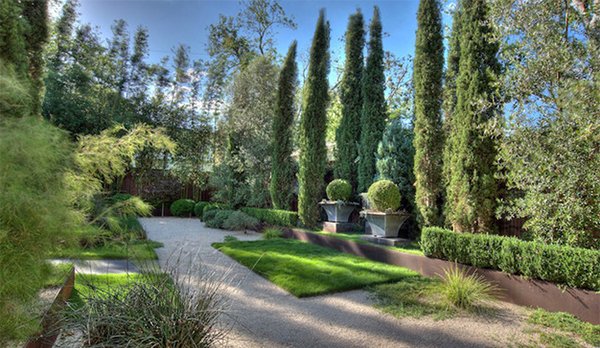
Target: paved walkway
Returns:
[267, 316]
[100, 266]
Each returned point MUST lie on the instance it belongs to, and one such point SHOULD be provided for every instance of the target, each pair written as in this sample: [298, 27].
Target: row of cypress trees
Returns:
[461, 169]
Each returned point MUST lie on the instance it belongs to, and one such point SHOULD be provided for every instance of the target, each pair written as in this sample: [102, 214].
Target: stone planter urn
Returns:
[338, 211]
[385, 224]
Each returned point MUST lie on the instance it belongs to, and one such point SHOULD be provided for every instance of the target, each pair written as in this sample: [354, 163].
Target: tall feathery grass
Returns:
[465, 291]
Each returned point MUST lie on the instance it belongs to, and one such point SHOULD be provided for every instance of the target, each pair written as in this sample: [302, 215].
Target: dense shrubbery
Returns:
[199, 208]
[218, 219]
[575, 267]
[182, 207]
[212, 207]
[273, 217]
[239, 221]
[339, 190]
[384, 195]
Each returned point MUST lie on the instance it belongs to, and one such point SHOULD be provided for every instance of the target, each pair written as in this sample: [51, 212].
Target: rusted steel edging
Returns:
[583, 304]
[48, 336]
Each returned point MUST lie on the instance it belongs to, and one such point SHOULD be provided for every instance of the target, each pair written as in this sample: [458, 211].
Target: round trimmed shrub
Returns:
[199, 208]
[384, 195]
[182, 207]
[339, 190]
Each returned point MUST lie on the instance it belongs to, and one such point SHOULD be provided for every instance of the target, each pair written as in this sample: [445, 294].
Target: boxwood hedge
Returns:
[575, 267]
[273, 216]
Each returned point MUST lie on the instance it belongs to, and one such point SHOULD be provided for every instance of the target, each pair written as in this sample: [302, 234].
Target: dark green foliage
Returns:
[199, 208]
[182, 207]
[273, 217]
[13, 47]
[313, 153]
[239, 221]
[209, 215]
[36, 14]
[427, 80]
[339, 190]
[219, 218]
[373, 114]
[449, 103]
[395, 155]
[119, 197]
[576, 267]
[471, 192]
[348, 133]
[384, 195]
[282, 170]
[211, 207]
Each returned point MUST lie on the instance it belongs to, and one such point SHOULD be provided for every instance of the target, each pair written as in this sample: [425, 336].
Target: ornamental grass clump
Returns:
[153, 309]
[339, 190]
[384, 196]
[465, 291]
[272, 233]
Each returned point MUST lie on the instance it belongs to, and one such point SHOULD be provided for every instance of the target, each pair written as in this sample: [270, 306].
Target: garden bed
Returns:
[514, 289]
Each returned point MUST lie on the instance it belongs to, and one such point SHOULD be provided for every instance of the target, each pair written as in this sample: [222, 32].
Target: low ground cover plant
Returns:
[306, 269]
[576, 267]
[567, 323]
[182, 207]
[272, 233]
[273, 216]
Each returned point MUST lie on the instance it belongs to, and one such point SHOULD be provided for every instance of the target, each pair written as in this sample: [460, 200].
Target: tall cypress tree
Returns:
[348, 133]
[282, 170]
[471, 192]
[427, 79]
[36, 14]
[13, 27]
[313, 153]
[449, 103]
[373, 113]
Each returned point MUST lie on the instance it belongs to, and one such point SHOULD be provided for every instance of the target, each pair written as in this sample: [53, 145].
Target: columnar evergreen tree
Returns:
[282, 170]
[373, 115]
[348, 133]
[313, 153]
[36, 14]
[427, 79]
[13, 48]
[449, 103]
[471, 192]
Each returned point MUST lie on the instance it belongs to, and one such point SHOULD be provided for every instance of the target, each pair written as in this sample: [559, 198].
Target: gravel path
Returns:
[267, 316]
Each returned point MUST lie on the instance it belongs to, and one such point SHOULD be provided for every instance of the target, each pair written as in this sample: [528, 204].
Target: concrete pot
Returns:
[385, 224]
[338, 211]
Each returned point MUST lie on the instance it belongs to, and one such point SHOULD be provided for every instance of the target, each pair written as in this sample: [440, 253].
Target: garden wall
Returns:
[514, 289]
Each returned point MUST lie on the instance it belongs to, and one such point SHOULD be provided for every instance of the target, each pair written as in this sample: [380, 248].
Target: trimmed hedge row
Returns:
[575, 267]
[273, 216]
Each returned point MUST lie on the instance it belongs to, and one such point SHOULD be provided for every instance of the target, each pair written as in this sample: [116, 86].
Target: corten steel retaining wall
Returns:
[514, 289]
[48, 336]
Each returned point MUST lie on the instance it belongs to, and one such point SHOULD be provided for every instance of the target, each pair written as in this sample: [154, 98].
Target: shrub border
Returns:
[583, 304]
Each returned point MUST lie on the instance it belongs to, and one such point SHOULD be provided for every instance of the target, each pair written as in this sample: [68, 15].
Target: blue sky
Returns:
[171, 22]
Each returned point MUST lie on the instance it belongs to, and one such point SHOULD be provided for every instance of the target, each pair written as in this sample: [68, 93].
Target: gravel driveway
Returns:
[267, 316]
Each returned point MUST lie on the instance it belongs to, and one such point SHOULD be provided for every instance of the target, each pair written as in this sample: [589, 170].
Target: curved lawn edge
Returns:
[583, 304]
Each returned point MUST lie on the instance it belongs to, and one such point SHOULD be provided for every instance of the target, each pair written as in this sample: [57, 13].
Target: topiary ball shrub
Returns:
[199, 208]
[339, 190]
[384, 195]
[182, 207]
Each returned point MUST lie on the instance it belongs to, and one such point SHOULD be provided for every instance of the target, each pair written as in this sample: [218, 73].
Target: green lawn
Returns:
[57, 274]
[306, 269]
[138, 250]
[410, 248]
[88, 284]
